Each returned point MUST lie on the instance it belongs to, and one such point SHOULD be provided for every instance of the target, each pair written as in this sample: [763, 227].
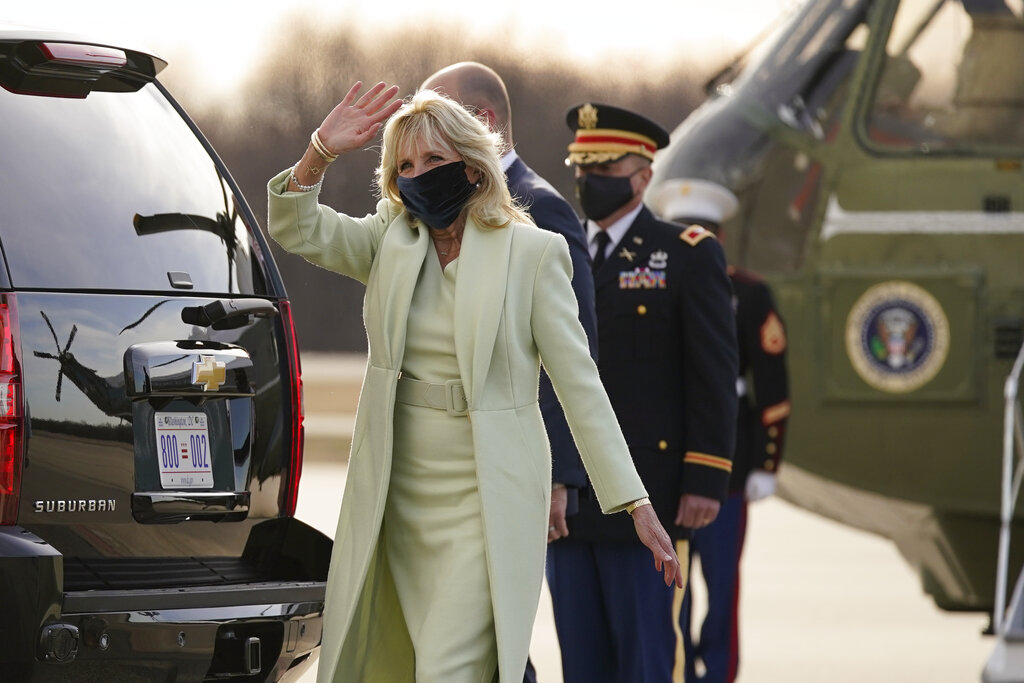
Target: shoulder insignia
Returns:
[773, 335]
[694, 234]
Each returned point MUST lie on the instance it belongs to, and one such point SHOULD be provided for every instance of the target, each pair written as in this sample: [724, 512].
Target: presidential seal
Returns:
[897, 336]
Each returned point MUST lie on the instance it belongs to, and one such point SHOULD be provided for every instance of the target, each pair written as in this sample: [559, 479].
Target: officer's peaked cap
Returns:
[605, 133]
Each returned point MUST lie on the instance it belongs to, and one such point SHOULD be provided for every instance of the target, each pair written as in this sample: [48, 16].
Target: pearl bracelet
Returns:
[306, 188]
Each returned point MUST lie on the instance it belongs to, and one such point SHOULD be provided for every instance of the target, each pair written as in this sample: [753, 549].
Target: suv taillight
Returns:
[85, 57]
[290, 482]
[61, 69]
[12, 421]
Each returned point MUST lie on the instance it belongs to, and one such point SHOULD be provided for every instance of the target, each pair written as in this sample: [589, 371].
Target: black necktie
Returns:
[602, 239]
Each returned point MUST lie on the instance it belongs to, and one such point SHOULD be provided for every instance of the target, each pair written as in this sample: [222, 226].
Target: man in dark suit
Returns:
[668, 359]
[480, 88]
[763, 392]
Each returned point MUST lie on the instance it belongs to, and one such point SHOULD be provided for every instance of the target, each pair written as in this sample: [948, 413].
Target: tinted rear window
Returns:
[113, 192]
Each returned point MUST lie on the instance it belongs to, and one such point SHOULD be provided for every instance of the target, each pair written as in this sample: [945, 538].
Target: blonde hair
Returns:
[434, 119]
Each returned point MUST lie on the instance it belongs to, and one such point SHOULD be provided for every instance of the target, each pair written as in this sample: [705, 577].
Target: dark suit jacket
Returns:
[668, 359]
[550, 211]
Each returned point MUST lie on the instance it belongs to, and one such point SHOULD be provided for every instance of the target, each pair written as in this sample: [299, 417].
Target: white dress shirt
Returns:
[616, 231]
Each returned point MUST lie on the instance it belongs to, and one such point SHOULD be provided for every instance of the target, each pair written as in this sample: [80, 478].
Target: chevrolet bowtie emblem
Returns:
[209, 372]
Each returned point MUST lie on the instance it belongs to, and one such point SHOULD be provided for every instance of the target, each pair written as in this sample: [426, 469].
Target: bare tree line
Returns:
[309, 70]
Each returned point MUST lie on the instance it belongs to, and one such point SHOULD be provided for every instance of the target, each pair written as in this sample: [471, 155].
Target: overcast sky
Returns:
[219, 40]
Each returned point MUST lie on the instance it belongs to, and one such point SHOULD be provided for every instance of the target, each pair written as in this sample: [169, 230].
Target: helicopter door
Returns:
[922, 237]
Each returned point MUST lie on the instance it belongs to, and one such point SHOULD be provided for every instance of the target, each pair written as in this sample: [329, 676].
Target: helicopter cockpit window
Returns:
[951, 80]
[787, 70]
[815, 108]
[800, 74]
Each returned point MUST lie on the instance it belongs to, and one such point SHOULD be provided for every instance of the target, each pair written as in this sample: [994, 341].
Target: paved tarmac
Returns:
[821, 603]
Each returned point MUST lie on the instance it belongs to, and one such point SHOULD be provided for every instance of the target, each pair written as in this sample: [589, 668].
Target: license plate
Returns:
[183, 451]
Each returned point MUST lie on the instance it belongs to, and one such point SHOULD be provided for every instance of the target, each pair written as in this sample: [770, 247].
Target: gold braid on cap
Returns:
[598, 145]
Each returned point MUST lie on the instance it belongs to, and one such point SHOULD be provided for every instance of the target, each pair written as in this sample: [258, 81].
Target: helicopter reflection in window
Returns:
[106, 393]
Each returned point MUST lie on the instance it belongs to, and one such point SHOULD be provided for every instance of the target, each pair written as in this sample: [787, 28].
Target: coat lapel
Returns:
[402, 251]
[479, 300]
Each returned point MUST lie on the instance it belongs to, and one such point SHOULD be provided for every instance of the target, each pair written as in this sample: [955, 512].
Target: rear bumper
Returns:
[252, 632]
[248, 632]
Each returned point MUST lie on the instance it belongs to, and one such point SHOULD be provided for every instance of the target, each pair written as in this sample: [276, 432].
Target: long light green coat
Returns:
[514, 305]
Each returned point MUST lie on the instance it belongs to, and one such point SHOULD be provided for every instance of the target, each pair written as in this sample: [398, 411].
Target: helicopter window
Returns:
[786, 63]
[802, 75]
[815, 108]
[951, 80]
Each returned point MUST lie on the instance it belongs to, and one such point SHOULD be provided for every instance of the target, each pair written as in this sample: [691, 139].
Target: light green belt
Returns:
[449, 397]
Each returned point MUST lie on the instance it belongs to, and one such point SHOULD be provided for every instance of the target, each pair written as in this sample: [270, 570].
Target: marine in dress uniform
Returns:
[668, 360]
[763, 393]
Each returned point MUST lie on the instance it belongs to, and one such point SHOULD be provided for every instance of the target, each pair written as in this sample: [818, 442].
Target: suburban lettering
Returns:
[80, 505]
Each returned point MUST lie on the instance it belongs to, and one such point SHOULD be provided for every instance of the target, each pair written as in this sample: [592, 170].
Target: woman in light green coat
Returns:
[439, 551]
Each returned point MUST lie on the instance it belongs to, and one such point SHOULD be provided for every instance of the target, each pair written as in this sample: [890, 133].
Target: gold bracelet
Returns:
[320, 148]
[637, 504]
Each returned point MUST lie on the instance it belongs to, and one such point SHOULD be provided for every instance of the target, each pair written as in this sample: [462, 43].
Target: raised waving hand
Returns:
[356, 119]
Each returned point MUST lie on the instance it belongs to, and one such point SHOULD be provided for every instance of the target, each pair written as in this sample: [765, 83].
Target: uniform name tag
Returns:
[642, 278]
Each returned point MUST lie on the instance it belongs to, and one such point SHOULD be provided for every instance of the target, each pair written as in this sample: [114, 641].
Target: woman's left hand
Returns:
[653, 535]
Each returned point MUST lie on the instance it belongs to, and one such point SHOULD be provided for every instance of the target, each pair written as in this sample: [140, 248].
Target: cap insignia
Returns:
[587, 116]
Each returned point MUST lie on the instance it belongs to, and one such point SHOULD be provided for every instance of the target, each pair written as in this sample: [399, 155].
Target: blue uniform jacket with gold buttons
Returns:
[668, 359]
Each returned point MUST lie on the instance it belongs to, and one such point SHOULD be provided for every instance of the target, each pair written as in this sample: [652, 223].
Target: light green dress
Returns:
[433, 530]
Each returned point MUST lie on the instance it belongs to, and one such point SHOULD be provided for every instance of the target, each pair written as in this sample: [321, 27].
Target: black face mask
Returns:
[602, 195]
[437, 196]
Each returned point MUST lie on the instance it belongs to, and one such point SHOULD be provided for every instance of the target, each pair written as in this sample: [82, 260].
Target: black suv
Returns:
[150, 396]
